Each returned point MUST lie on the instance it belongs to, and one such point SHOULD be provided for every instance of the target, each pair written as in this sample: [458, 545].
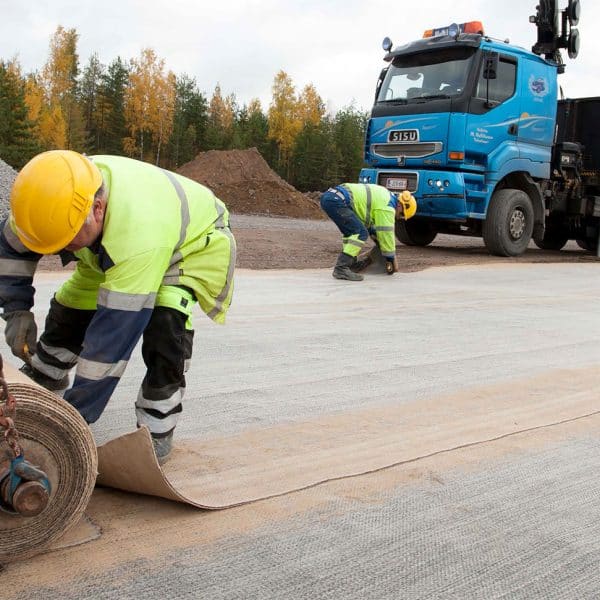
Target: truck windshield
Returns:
[427, 75]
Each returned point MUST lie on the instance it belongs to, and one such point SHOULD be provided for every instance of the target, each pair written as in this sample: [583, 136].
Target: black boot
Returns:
[342, 268]
[52, 385]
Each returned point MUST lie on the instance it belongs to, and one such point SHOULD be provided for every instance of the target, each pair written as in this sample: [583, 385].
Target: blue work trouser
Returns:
[339, 210]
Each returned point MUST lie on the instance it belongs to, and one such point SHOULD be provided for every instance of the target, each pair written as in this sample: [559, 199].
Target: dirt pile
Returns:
[247, 185]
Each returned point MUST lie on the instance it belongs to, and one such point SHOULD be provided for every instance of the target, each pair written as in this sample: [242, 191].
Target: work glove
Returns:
[20, 333]
[391, 265]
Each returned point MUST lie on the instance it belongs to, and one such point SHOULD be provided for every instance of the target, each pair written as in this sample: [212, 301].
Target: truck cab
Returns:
[467, 124]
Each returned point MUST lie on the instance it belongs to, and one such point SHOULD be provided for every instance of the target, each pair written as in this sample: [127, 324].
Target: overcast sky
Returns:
[242, 44]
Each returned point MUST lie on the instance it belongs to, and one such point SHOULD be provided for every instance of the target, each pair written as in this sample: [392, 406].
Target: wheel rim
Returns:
[518, 222]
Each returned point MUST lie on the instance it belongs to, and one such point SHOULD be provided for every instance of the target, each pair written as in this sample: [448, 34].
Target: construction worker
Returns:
[360, 210]
[149, 245]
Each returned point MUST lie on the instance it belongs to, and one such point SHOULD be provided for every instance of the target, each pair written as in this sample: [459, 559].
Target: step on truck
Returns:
[474, 128]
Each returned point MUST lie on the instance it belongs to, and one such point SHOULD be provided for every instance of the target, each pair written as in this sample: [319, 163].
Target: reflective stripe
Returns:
[91, 369]
[52, 372]
[163, 406]
[21, 268]
[388, 255]
[220, 222]
[156, 425]
[368, 210]
[385, 228]
[185, 209]
[226, 289]
[351, 242]
[64, 355]
[13, 239]
[122, 301]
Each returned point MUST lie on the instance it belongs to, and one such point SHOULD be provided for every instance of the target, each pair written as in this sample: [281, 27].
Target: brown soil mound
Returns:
[247, 185]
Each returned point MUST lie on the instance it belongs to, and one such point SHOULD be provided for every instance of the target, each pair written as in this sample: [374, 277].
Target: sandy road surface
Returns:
[516, 516]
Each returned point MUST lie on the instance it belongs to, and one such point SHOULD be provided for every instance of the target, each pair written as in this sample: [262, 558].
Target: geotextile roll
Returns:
[57, 440]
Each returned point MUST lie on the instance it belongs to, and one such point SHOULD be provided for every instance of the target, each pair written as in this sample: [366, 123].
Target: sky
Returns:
[241, 44]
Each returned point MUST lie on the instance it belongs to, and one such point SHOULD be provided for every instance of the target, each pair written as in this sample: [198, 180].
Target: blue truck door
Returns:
[492, 127]
[538, 115]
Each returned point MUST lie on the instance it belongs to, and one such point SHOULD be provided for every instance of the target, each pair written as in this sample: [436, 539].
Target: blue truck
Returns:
[475, 129]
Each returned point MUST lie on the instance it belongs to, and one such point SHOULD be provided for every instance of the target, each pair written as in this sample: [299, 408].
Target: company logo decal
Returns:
[538, 86]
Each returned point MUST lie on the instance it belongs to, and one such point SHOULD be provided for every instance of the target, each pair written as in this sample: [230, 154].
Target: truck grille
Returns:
[407, 149]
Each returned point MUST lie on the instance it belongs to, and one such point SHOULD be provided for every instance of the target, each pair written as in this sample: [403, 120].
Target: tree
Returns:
[149, 106]
[89, 99]
[313, 163]
[189, 121]
[110, 111]
[284, 122]
[17, 141]
[349, 134]
[61, 120]
[221, 119]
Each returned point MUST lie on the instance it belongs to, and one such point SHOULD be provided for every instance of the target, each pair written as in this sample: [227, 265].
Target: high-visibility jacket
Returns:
[375, 206]
[161, 230]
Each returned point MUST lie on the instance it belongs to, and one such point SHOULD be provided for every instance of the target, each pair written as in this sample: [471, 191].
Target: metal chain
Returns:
[8, 414]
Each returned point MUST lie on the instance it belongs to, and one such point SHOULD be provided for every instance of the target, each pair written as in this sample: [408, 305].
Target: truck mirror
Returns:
[380, 81]
[490, 65]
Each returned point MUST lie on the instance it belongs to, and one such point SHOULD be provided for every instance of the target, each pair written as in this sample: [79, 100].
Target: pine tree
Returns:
[17, 141]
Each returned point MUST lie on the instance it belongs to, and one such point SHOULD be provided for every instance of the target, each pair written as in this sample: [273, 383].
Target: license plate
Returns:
[403, 135]
[397, 183]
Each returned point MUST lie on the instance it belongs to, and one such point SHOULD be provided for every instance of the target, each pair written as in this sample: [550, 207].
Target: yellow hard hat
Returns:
[51, 198]
[409, 203]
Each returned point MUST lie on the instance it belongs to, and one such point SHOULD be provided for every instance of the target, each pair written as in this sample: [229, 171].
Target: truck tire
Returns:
[508, 224]
[415, 232]
[588, 244]
[554, 239]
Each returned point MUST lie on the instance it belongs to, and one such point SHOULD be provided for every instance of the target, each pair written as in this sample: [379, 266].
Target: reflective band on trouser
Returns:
[20, 268]
[95, 371]
[160, 416]
[48, 370]
[352, 245]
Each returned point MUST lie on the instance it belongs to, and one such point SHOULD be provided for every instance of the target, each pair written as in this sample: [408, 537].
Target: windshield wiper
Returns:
[395, 101]
[431, 96]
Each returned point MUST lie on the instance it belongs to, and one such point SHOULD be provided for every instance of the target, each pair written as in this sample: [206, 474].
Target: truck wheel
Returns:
[553, 239]
[508, 224]
[588, 244]
[415, 232]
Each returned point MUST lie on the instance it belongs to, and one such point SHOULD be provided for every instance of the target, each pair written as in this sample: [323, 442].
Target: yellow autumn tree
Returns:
[311, 107]
[149, 106]
[283, 116]
[221, 120]
[60, 119]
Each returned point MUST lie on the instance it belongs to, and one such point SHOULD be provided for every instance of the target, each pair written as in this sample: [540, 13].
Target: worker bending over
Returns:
[149, 245]
[360, 210]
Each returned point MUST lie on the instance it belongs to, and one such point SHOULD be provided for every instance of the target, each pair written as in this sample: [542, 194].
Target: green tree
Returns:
[110, 109]
[349, 135]
[189, 122]
[90, 99]
[17, 141]
[313, 164]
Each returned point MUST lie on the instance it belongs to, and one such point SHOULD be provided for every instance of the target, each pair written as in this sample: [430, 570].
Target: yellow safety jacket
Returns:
[375, 206]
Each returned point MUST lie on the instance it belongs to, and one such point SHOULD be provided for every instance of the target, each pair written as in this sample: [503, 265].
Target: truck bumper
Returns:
[439, 194]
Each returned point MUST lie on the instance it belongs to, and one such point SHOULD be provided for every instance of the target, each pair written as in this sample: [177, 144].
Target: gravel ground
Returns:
[7, 177]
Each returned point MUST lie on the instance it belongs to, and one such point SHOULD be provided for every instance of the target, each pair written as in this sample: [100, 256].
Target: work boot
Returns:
[342, 268]
[52, 385]
[163, 444]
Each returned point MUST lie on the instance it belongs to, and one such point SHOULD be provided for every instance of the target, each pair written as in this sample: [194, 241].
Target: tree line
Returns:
[138, 108]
